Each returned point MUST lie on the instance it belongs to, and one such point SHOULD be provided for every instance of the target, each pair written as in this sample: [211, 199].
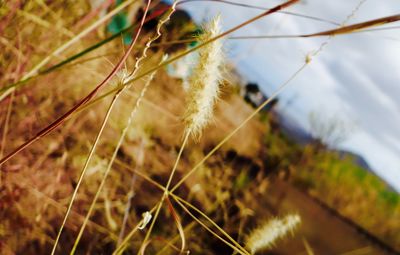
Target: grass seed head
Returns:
[204, 82]
[265, 236]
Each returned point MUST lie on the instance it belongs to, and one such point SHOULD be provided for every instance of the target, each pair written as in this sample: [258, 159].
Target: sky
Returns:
[354, 79]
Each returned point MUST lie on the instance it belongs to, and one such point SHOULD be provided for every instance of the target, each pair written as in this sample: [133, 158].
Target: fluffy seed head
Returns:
[204, 82]
[265, 236]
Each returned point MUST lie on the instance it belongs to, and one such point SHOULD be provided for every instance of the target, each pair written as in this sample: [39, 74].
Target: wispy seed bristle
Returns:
[204, 82]
[265, 236]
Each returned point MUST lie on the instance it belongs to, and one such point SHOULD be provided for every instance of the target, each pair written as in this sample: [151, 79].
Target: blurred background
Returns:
[325, 148]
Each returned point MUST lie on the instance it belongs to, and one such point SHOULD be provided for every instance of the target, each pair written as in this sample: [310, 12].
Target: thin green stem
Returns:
[175, 238]
[131, 192]
[109, 110]
[5, 131]
[89, 97]
[254, 113]
[110, 164]
[130, 119]
[210, 230]
[35, 70]
[124, 243]
[89, 213]
[185, 140]
[62, 208]
[211, 221]
[83, 172]
[140, 173]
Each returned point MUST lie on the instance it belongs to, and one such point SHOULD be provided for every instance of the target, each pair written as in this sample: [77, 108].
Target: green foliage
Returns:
[338, 181]
[118, 24]
[242, 180]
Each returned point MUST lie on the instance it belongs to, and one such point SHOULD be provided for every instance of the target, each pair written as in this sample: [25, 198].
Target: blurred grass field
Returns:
[37, 183]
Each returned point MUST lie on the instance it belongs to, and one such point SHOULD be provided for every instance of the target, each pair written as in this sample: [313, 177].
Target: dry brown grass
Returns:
[37, 183]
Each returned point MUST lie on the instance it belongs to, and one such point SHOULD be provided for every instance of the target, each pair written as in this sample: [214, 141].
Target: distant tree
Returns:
[329, 130]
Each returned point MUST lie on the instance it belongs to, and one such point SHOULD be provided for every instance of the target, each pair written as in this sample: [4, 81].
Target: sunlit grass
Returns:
[69, 147]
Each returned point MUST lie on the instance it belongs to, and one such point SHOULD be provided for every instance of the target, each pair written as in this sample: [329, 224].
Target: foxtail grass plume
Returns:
[265, 236]
[204, 81]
